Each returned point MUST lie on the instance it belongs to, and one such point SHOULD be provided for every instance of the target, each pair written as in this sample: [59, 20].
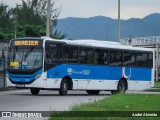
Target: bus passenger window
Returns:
[97, 57]
[150, 60]
[66, 54]
[112, 57]
[82, 55]
[142, 59]
[52, 54]
[129, 58]
[89, 56]
[105, 60]
[74, 54]
[115, 57]
[119, 57]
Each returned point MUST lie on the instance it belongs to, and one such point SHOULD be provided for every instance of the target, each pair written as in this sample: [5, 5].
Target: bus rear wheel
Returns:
[121, 88]
[64, 87]
[93, 92]
[34, 91]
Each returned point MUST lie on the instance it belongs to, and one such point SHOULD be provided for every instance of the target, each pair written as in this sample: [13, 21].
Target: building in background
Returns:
[147, 42]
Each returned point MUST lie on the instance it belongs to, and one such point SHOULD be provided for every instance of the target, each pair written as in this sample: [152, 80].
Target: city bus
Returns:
[88, 65]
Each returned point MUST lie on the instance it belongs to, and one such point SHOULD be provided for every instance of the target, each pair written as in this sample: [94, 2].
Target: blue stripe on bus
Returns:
[24, 77]
[99, 72]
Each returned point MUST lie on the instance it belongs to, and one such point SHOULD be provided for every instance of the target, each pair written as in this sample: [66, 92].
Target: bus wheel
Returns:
[64, 87]
[93, 92]
[121, 88]
[34, 91]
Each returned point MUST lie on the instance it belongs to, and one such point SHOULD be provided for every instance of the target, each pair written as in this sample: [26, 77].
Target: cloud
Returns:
[88, 8]
[109, 8]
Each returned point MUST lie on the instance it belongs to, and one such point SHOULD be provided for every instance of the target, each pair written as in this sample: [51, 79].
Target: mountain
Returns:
[153, 19]
[105, 28]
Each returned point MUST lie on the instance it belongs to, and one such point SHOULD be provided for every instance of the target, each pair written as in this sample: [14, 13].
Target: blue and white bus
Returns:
[90, 65]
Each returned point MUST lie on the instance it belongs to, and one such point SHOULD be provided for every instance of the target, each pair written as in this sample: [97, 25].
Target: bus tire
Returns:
[64, 87]
[34, 91]
[93, 92]
[122, 86]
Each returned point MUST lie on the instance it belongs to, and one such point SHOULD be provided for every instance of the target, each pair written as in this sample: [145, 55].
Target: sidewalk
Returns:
[148, 91]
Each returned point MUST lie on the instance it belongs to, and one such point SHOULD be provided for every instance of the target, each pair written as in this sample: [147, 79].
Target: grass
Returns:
[124, 103]
[157, 84]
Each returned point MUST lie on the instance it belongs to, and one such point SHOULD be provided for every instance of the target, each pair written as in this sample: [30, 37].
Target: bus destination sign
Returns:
[26, 42]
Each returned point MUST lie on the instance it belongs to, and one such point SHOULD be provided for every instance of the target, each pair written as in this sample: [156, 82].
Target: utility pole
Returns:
[119, 29]
[15, 30]
[48, 18]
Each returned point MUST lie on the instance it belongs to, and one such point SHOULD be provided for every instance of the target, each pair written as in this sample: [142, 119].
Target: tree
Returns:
[31, 31]
[31, 16]
[30, 20]
[6, 24]
[58, 35]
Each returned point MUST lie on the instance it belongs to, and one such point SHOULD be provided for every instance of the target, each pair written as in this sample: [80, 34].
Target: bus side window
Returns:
[98, 57]
[150, 60]
[142, 59]
[115, 57]
[105, 60]
[119, 57]
[66, 54]
[129, 58]
[74, 54]
[82, 55]
[51, 55]
[89, 56]
[113, 60]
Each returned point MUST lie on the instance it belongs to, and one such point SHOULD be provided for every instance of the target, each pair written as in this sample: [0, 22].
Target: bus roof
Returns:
[100, 44]
[92, 43]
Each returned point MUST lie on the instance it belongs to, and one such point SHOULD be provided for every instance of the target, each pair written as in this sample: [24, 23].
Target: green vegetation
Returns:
[157, 84]
[29, 20]
[121, 102]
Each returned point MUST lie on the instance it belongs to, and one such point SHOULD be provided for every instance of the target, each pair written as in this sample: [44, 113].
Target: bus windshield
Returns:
[27, 58]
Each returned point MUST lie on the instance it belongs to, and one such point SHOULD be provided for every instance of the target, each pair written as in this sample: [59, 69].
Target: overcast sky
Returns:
[109, 8]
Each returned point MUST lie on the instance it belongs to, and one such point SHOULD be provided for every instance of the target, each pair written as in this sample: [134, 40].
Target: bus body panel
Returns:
[96, 77]
[100, 77]
[100, 72]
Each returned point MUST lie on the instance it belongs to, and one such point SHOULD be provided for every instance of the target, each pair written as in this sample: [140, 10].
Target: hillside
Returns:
[105, 28]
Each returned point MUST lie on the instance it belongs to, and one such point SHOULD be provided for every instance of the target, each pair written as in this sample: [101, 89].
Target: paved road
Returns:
[22, 100]
[1, 82]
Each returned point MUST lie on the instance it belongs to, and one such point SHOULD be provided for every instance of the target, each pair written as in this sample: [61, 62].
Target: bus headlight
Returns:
[37, 76]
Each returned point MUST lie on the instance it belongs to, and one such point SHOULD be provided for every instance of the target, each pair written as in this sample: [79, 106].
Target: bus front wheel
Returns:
[64, 87]
[93, 92]
[34, 91]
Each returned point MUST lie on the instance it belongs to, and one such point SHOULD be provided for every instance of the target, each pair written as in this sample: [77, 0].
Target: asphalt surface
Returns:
[22, 100]
[1, 82]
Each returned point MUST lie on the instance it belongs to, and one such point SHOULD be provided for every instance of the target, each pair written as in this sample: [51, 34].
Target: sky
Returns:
[108, 8]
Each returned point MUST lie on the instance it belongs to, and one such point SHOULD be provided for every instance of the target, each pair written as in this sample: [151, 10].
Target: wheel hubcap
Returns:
[121, 88]
[65, 87]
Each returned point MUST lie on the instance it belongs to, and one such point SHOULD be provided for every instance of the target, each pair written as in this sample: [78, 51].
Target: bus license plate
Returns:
[20, 85]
